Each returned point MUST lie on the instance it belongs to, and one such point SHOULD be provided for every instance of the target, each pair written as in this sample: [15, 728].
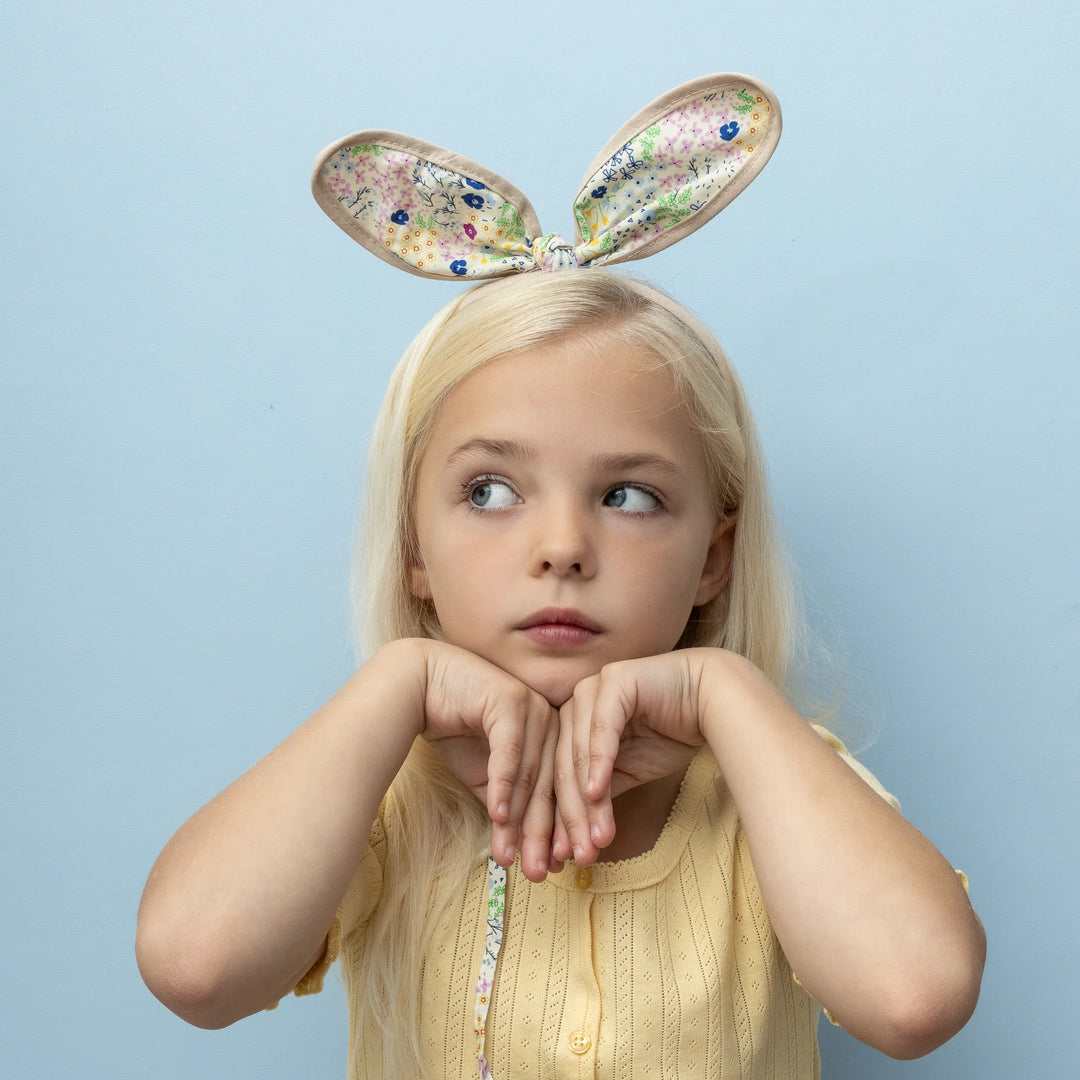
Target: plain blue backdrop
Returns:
[193, 355]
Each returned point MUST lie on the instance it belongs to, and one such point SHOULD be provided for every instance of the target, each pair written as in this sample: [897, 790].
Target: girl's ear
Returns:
[716, 572]
[417, 578]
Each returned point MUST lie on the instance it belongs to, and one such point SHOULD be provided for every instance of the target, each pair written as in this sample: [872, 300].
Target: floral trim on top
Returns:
[665, 173]
[496, 908]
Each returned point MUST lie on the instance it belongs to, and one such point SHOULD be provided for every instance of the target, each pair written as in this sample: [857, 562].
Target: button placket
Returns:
[577, 1046]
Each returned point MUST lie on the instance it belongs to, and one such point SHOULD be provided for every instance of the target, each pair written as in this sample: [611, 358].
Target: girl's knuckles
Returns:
[526, 776]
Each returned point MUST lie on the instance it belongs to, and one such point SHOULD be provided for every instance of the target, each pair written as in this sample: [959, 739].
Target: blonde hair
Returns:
[439, 828]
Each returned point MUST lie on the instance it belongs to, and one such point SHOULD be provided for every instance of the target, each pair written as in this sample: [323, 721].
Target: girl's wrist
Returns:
[730, 687]
[399, 669]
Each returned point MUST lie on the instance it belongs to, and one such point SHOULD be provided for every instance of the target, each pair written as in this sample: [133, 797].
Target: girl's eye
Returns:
[490, 494]
[635, 500]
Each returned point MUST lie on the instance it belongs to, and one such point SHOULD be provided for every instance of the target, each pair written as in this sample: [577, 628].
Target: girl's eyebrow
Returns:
[603, 463]
[506, 448]
[618, 463]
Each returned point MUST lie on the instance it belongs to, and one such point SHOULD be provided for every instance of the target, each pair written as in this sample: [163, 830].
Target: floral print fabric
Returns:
[669, 172]
[496, 907]
[663, 175]
[432, 218]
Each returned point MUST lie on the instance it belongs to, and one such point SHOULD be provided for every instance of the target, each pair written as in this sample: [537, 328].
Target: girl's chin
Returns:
[556, 686]
[556, 698]
[554, 677]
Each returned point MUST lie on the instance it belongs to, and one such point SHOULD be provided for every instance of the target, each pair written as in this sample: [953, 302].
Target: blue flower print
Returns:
[598, 193]
[475, 184]
[399, 217]
[458, 267]
[475, 201]
[729, 131]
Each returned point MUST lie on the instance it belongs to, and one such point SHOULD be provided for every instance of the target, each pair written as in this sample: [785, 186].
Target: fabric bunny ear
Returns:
[424, 208]
[662, 175]
[673, 166]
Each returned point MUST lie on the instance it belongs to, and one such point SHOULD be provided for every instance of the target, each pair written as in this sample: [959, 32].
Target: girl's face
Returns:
[563, 515]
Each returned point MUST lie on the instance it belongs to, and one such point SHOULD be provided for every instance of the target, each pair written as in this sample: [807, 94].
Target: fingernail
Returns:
[503, 809]
[541, 866]
[578, 851]
[510, 852]
[596, 832]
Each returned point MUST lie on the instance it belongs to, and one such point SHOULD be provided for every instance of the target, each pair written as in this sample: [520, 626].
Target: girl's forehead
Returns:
[605, 400]
[593, 368]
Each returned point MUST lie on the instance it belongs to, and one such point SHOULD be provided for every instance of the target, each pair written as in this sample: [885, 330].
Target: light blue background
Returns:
[193, 355]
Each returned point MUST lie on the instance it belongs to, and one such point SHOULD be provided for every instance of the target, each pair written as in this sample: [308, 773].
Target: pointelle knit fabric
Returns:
[660, 966]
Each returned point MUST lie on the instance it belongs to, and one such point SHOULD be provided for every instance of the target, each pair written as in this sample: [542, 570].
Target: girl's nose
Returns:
[564, 545]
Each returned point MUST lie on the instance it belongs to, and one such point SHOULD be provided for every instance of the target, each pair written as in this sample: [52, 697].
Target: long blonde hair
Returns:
[439, 828]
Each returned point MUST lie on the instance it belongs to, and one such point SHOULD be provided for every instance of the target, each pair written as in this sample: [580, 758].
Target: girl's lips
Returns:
[560, 627]
[559, 635]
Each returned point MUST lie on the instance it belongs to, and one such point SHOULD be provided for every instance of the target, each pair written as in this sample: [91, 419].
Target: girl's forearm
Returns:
[237, 905]
[872, 918]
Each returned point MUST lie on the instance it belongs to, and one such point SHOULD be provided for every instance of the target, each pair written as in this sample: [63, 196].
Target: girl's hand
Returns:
[636, 721]
[498, 737]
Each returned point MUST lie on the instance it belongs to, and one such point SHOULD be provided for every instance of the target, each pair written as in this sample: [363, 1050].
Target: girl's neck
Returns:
[640, 816]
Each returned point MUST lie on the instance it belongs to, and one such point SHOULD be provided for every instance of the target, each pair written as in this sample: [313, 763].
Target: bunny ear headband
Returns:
[662, 175]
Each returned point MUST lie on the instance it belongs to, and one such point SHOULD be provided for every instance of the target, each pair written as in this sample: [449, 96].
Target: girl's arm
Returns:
[873, 920]
[237, 906]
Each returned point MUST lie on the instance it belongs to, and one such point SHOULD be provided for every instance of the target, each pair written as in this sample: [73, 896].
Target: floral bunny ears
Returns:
[662, 175]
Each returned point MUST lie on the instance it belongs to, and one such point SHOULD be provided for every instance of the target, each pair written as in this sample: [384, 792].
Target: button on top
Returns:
[583, 877]
[580, 1042]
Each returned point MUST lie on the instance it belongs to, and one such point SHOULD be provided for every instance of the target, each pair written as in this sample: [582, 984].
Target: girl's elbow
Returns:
[934, 1010]
[187, 983]
[922, 1030]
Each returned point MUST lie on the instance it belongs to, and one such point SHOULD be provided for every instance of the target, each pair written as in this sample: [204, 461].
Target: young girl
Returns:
[562, 821]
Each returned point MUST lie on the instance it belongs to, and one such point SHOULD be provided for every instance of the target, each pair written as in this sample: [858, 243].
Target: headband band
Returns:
[663, 174]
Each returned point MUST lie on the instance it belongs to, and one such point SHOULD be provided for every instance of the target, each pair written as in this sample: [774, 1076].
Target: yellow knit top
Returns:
[663, 965]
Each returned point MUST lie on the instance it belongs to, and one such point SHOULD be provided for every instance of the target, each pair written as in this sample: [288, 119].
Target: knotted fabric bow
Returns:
[662, 175]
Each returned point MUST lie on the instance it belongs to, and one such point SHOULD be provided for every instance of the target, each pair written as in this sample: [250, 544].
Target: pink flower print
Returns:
[470, 231]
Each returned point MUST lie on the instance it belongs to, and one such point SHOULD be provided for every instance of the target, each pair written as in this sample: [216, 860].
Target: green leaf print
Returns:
[510, 220]
[671, 209]
[356, 151]
[747, 102]
[647, 140]
[583, 224]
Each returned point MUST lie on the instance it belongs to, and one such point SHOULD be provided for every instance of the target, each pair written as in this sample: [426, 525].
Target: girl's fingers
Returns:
[537, 824]
[572, 810]
[584, 698]
[518, 727]
[611, 708]
[589, 824]
[560, 844]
